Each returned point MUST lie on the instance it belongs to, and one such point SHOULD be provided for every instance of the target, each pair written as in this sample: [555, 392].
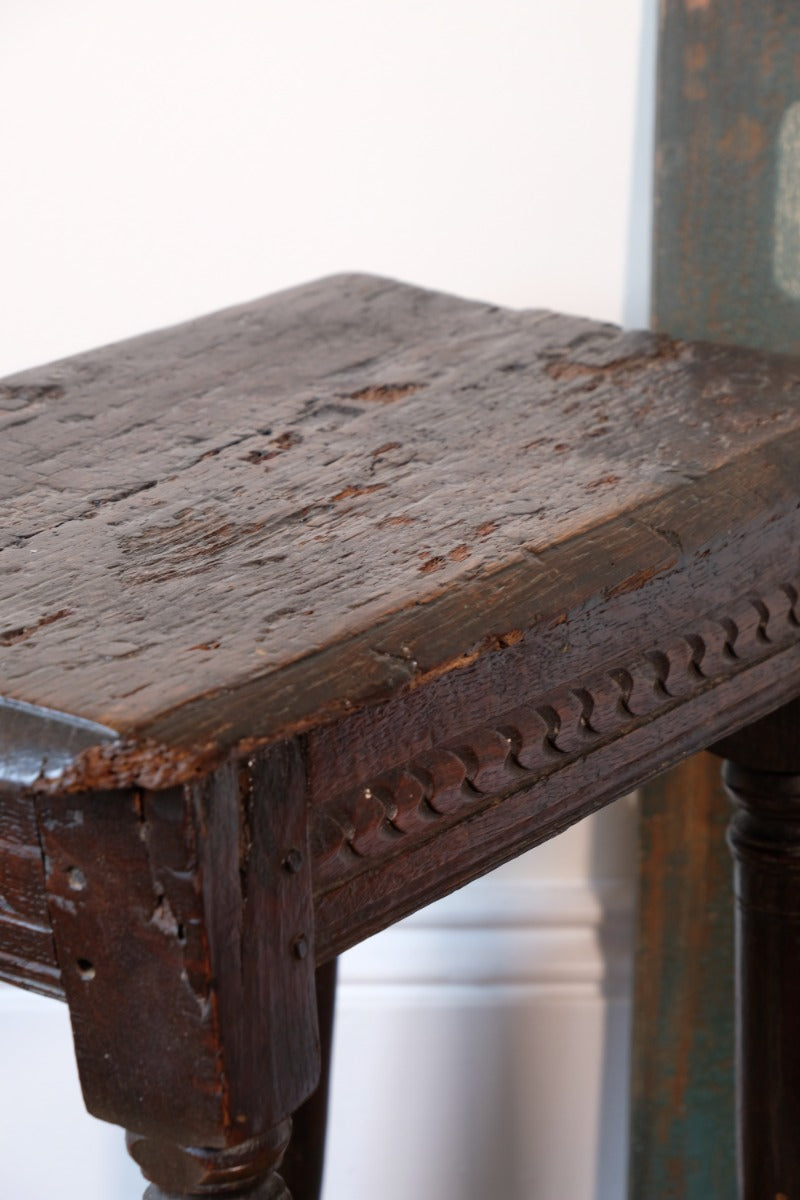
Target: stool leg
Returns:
[762, 777]
[183, 925]
[248, 1171]
[305, 1158]
[765, 839]
[251, 1169]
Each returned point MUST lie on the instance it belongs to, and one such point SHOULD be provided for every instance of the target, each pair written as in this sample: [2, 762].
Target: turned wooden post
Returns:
[183, 925]
[762, 776]
[303, 1166]
[248, 1171]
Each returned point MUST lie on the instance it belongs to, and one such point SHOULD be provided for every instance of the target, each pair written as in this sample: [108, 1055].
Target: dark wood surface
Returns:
[320, 607]
[577, 563]
[183, 926]
[762, 776]
[27, 954]
[302, 1168]
[384, 484]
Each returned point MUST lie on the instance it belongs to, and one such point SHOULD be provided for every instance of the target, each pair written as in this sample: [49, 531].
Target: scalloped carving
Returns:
[535, 739]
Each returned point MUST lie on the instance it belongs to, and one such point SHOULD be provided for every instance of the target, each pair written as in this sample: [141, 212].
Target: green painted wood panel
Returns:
[727, 198]
[682, 1145]
[727, 268]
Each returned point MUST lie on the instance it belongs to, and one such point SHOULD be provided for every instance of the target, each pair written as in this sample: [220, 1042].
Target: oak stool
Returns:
[319, 607]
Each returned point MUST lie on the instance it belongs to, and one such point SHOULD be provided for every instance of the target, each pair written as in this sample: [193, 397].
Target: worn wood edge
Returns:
[535, 738]
[41, 977]
[293, 700]
[27, 950]
[452, 853]
[218, 924]
[375, 283]
[358, 836]
[39, 742]
[317, 689]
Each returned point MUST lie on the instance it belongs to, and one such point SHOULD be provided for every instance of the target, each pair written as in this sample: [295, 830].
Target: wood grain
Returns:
[765, 839]
[682, 1131]
[184, 932]
[27, 953]
[718, 164]
[541, 733]
[442, 855]
[721, 151]
[317, 608]
[326, 464]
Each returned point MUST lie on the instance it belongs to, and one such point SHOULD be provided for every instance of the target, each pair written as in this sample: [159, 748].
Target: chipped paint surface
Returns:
[682, 1128]
[726, 268]
[727, 218]
[786, 248]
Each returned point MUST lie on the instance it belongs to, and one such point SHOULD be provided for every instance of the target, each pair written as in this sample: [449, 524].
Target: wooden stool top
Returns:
[246, 526]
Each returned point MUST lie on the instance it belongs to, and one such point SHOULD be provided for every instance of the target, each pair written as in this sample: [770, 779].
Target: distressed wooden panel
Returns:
[726, 267]
[328, 497]
[183, 924]
[32, 966]
[727, 229]
[430, 855]
[494, 567]
[27, 953]
[762, 778]
[22, 896]
[682, 1133]
[129, 930]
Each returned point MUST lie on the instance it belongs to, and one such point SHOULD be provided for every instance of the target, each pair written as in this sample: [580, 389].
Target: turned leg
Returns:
[248, 1171]
[305, 1158]
[762, 776]
[183, 925]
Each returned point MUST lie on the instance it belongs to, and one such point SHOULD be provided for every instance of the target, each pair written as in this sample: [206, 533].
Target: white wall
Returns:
[482, 1045]
[162, 159]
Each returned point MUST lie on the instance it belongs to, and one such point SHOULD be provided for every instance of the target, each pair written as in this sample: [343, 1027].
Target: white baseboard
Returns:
[489, 1034]
[507, 933]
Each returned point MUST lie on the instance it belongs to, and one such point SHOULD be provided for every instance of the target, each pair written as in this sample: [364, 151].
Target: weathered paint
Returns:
[682, 1131]
[727, 216]
[786, 246]
[726, 268]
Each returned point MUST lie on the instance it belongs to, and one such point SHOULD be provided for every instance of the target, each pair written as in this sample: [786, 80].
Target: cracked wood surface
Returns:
[246, 526]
